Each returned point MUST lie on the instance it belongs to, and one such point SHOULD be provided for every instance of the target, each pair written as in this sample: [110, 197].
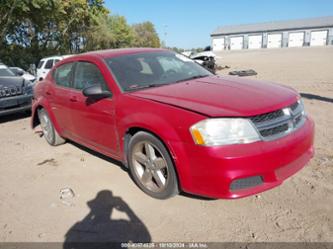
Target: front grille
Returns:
[267, 116]
[10, 91]
[294, 106]
[274, 130]
[281, 122]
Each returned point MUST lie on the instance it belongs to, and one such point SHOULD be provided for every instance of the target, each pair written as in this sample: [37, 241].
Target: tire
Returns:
[151, 166]
[50, 134]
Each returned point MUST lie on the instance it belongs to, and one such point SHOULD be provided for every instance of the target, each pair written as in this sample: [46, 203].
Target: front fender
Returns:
[170, 124]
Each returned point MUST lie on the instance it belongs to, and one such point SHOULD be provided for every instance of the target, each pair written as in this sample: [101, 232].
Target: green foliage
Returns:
[146, 35]
[32, 29]
[122, 32]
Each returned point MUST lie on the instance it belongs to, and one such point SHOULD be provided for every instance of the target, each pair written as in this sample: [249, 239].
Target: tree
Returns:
[122, 32]
[33, 29]
[99, 35]
[146, 35]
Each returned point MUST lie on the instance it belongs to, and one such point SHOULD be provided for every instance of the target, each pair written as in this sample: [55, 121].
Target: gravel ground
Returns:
[32, 174]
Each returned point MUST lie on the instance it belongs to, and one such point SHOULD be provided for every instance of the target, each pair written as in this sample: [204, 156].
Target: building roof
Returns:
[275, 26]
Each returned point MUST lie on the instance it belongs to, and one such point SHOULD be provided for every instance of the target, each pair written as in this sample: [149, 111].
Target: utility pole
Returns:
[165, 34]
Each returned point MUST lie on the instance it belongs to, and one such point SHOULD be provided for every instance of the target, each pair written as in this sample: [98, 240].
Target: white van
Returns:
[45, 65]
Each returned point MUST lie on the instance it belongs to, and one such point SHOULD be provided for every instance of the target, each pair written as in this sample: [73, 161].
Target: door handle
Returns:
[73, 99]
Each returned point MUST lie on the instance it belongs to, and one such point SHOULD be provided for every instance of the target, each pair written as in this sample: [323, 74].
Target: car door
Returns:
[58, 95]
[94, 120]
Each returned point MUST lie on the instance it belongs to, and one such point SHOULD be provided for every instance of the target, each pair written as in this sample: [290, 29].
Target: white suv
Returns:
[45, 65]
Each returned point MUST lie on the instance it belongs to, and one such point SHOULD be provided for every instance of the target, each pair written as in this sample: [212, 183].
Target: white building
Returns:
[294, 33]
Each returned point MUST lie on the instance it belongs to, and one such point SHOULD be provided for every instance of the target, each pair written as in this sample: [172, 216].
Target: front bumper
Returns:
[211, 171]
[14, 104]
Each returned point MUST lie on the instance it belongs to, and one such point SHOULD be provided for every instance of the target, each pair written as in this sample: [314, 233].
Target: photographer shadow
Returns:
[98, 227]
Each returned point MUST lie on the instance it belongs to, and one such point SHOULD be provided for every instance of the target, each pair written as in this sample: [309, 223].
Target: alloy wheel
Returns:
[150, 166]
[47, 128]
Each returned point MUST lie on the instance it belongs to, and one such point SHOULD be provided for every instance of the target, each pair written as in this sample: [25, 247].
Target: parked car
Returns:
[15, 92]
[206, 58]
[20, 72]
[176, 126]
[45, 65]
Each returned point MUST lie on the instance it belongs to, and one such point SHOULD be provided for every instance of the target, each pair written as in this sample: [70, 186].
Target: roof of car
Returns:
[123, 51]
[56, 57]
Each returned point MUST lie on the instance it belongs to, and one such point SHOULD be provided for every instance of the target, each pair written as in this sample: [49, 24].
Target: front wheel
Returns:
[49, 132]
[151, 166]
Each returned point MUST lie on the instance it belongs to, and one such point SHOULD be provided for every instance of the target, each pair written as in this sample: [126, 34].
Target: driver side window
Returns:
[88, 74]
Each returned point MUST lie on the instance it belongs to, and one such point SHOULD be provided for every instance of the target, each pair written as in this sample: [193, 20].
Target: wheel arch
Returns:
[34, 116]
[35, 119]
[131, 131]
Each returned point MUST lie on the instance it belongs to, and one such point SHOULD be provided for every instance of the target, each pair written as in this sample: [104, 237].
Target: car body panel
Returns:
[211, 96]
[15, 94]
[214, 168]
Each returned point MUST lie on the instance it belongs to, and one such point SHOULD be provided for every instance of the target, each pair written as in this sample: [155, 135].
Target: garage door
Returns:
[274, 40]
[296, 39]
[236, 43]
[218, 44]
[255, 41]
[318, 38]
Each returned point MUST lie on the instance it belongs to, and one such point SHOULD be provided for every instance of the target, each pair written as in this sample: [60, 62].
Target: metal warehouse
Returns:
[294, 33]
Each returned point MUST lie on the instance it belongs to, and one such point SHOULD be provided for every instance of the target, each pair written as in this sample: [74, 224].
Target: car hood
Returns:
[11, 81]
[218, 96]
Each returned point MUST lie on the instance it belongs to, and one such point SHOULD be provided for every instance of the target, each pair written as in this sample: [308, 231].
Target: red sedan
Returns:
[176, 126]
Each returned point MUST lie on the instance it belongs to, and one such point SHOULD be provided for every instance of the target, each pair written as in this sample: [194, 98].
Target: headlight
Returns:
[222, 131]
[28, 88]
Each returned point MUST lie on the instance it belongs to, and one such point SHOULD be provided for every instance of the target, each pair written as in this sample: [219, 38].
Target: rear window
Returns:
[40, 64]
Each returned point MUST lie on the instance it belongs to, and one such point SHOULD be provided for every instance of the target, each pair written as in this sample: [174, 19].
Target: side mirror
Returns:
[96, 92]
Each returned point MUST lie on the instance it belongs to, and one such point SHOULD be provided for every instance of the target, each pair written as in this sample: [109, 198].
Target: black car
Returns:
[15, 92]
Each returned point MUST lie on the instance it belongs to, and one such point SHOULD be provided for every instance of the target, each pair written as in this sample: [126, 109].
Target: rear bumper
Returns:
[15, 104]
[211, 171]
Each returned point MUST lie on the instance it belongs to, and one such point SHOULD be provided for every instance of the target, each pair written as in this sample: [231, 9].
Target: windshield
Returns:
[153, 69]
[40, 64]
[5, 72]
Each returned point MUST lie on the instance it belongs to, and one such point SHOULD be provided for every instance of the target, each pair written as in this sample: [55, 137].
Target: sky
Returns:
[188, 23]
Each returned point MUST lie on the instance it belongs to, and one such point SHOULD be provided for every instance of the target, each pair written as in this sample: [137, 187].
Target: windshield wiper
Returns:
[146, 86]
[138, 87]
[193, 77]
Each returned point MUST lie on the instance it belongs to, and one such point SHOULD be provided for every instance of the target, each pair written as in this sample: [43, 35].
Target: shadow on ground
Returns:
[316, 97]
[13, 117]
[99, 155]
[123, 167]
[99, 228]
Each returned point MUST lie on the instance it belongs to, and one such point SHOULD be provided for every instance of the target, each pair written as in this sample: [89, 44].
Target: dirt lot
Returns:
[33, 173]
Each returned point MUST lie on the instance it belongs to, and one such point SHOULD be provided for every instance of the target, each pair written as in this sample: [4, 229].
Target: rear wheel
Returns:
[49, 132]
[151, 166]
